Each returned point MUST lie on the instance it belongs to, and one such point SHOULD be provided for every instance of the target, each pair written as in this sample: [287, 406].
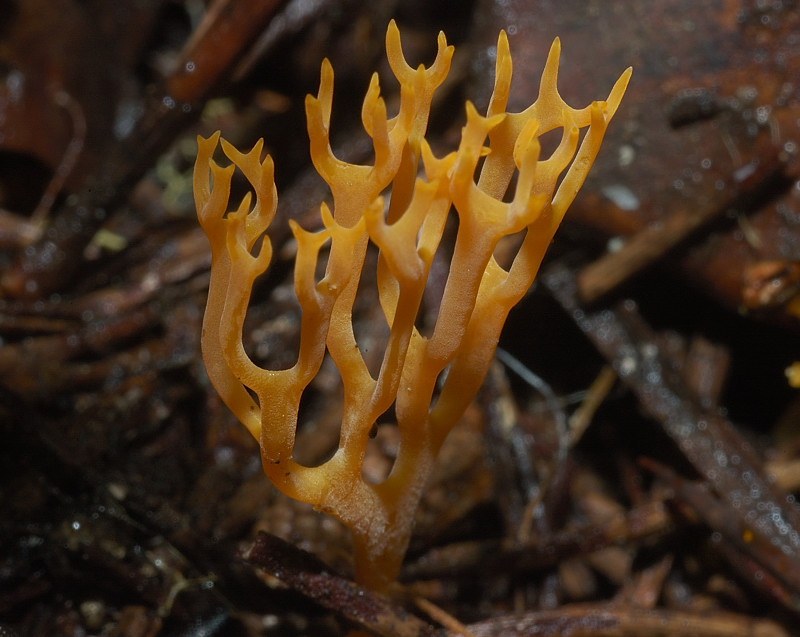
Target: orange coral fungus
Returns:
[407, 230]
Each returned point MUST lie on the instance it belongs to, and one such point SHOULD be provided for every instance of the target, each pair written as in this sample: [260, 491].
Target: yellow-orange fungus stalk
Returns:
[477, 297]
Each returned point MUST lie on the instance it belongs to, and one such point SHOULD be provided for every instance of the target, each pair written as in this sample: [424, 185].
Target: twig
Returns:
[306, 574]
[594, 620]
[645, 247]
[597, 393]
[442, 617]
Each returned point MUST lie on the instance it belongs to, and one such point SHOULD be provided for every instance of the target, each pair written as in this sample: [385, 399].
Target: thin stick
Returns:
[442, 617]
[597, 393]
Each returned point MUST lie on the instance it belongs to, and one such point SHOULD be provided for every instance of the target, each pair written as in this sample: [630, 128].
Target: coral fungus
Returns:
[429, 381]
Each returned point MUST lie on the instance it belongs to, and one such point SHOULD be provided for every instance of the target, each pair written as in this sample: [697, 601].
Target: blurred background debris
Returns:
[629, 467]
